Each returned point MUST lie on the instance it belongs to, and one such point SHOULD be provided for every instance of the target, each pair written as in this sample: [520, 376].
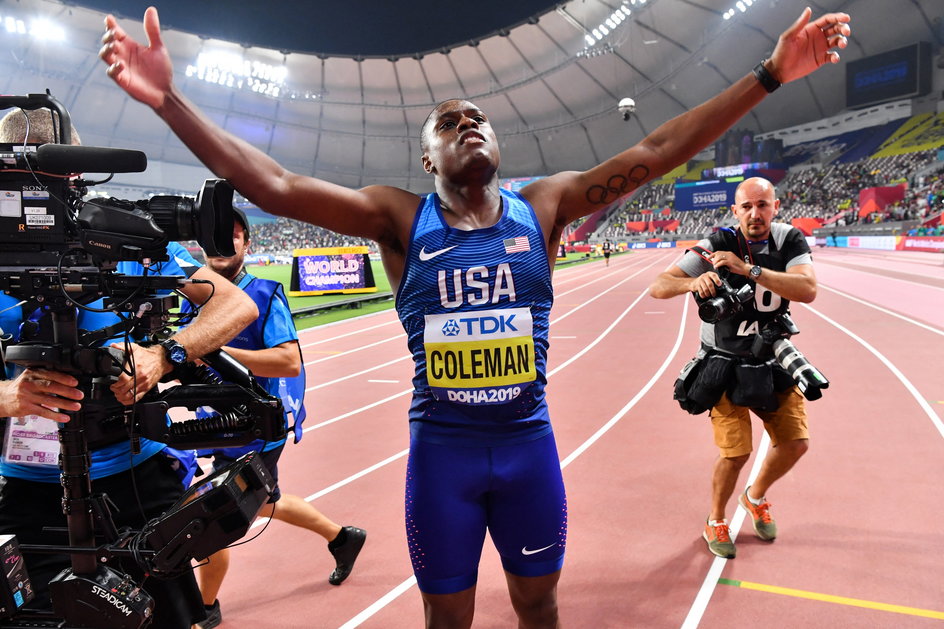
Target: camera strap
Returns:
[744, 248]
[705, 254]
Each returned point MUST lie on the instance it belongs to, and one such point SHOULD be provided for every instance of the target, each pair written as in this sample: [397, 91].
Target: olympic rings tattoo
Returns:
[618, 185]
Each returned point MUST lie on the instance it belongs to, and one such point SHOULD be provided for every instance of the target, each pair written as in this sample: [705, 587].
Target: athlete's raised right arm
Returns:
[146, 74]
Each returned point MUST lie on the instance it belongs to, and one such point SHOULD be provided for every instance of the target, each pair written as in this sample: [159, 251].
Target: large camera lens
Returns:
[208, 220]
[807, 377]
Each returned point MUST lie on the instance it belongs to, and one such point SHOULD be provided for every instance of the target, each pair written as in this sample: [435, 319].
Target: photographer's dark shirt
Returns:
[785, 247]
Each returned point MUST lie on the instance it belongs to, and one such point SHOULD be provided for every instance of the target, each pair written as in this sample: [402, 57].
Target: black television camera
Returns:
[44, 221]
[59, 252]
[727, 300]
[775, 335]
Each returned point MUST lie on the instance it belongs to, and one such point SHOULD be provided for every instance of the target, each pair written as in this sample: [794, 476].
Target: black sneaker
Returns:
[214, 616]
[346, 554]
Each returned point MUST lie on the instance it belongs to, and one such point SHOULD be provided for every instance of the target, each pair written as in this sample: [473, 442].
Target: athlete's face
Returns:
[229, 267]
[457, 138]
[755, 207]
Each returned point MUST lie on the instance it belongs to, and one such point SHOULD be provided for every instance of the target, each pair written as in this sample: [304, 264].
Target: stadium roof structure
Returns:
[342, 88]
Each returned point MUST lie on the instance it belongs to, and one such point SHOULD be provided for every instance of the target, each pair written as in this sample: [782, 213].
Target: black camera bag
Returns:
[710, 380]
[753, 386]
[684, 382]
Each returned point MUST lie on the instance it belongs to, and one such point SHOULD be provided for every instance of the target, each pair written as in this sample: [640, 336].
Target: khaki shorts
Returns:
[732, 424]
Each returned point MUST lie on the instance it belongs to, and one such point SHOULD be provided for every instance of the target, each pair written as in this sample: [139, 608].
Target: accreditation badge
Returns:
[31, 440]
[481, 357]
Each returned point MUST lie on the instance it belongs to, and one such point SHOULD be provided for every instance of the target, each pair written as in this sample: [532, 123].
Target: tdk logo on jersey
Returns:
[481, 326]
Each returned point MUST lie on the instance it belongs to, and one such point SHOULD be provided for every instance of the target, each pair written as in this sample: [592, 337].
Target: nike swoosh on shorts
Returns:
[525, 551]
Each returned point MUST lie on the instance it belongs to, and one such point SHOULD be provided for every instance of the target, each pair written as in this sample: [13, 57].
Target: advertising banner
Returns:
[704, 195]
[331, 270]
[922, 243]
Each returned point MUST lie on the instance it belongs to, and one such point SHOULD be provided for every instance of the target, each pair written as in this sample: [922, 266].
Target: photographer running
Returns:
[776, 260]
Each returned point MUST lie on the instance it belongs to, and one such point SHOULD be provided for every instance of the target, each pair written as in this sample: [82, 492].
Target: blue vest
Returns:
[269, 298]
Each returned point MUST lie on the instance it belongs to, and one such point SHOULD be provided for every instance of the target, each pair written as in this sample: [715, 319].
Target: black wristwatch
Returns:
[755, 271]
[764, 77]
[175, 352]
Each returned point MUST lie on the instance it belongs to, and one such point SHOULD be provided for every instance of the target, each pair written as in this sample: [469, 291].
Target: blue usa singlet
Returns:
[475, 307]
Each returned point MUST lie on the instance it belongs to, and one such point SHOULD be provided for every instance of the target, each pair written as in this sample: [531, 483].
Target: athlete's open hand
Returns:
[145, 72]
[807, 45]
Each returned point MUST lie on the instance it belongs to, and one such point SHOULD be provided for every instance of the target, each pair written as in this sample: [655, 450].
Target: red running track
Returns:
[860, 540]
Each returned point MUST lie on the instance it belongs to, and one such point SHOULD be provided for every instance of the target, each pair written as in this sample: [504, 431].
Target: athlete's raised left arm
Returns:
[800, 50]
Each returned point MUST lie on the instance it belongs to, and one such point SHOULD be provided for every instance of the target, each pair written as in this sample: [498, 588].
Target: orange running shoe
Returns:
[764, 524]
[719, 539]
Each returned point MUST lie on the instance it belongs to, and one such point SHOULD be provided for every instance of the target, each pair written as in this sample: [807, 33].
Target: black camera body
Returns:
[726, 302]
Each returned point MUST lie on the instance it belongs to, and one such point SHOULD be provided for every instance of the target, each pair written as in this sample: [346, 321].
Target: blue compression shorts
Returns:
[455, 493]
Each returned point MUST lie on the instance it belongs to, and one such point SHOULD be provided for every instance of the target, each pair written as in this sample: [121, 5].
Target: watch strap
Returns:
[765, 78]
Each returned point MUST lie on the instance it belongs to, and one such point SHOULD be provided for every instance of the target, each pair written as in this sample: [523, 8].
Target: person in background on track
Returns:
[462, 260]
[269, 349]
[607, 250]
[775, 259]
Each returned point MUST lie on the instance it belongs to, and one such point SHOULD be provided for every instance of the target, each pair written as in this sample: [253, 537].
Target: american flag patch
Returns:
[516, 245]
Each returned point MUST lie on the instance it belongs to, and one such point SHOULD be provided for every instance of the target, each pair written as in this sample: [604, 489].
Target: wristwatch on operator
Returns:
[175, 352]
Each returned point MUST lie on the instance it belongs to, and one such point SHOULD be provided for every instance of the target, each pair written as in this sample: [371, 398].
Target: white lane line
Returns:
[922, 402]
[328, 422]
[358, 373]
[343, 321]
[700, 604]
[356, 349]
[865, 271]
[601, 294]
[604, 333]
[645, 389]
[342, 483]
[885, 310]
[380, 603]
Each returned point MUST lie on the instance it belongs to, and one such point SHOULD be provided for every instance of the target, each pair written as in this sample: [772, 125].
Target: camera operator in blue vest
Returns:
[269, 348]
[140, 485]
[774, 260]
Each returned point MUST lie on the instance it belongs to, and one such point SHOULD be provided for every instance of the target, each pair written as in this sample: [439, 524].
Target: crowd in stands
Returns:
[823, 193]
[282, 236]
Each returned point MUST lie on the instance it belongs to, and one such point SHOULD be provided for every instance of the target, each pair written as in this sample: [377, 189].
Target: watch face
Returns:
[755, 271]
[178, 355]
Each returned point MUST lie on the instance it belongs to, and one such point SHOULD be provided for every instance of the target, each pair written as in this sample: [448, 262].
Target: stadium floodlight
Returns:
[45, 30]
[14, 25]
[232, 70]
